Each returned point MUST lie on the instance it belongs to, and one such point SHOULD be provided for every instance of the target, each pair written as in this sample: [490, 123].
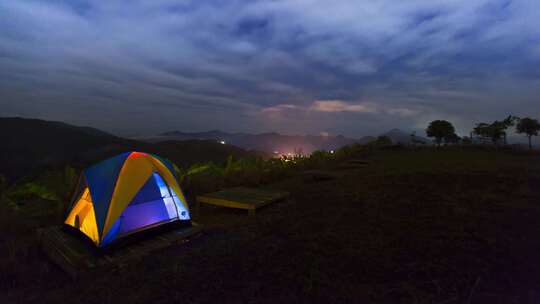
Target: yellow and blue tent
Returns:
[125, 194]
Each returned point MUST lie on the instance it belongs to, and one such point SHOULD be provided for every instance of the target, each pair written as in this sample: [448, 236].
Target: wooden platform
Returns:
[242, 198]
[77, 257]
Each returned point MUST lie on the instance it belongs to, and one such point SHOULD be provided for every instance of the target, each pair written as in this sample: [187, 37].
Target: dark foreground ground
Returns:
[412, 227]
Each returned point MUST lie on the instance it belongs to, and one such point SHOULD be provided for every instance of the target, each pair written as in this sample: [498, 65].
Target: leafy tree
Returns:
[501, 126]
[483, 130]
[440, 129]
[528, 126]
[496, 130]
[452, 139]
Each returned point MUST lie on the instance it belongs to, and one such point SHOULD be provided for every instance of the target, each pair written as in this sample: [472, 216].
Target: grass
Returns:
[414, 226]
[58, 185]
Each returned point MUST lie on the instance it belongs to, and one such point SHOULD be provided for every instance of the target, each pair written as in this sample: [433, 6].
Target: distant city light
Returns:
[222, 142]
[331, 151]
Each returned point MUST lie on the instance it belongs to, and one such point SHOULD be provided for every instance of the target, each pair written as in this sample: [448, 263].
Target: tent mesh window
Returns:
[153, 204]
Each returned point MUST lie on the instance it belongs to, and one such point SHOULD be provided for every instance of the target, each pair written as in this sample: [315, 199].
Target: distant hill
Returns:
[187, 152]
[282, 144]
[400, 137]
[268, 142]
[29, 146]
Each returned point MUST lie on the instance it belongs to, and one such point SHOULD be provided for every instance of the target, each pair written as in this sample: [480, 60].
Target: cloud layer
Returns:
[306, 66]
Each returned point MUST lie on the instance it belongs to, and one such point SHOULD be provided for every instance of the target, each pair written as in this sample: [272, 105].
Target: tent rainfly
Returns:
[125, 194]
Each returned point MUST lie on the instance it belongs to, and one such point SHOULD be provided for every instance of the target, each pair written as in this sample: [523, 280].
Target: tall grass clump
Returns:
[252, 171]
[255, 171]
[46, 195]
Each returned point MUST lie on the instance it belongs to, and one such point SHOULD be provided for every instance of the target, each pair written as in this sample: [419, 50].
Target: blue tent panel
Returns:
[101, 180]
[148, 192]
[153, 204]
[143, 215]
[111, 235]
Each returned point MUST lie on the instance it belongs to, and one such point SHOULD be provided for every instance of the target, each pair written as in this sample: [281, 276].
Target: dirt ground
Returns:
[424, 226]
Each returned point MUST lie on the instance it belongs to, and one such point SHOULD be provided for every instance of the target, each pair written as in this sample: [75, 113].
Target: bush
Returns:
[55, 186]
[31, 190]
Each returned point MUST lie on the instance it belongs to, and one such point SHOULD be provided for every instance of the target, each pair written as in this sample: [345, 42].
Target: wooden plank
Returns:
[77, 258]
[245, 195]
[242, 198]
[224, 202]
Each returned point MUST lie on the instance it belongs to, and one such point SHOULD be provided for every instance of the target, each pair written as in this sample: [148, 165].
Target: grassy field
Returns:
[413, 226]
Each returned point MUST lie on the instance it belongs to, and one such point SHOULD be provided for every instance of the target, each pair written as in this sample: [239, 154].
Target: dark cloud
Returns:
[306, 66]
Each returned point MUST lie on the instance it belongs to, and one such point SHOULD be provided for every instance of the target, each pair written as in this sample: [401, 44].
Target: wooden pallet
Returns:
[77, 257]
[242, 198]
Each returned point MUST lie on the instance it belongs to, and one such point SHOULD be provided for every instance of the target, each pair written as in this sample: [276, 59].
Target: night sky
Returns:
[297, 67]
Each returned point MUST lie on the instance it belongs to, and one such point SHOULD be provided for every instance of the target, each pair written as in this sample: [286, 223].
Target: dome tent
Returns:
[125, 194]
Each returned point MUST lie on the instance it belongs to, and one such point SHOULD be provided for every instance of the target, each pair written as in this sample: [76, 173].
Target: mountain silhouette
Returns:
[271, 142]
[30, 146]
[282, 144]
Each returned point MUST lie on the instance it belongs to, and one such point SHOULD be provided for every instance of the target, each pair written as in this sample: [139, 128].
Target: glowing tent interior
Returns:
[125, 194]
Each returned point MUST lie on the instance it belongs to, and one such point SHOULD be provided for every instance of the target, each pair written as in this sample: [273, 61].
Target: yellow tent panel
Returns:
[83, 217]
[136, 170]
